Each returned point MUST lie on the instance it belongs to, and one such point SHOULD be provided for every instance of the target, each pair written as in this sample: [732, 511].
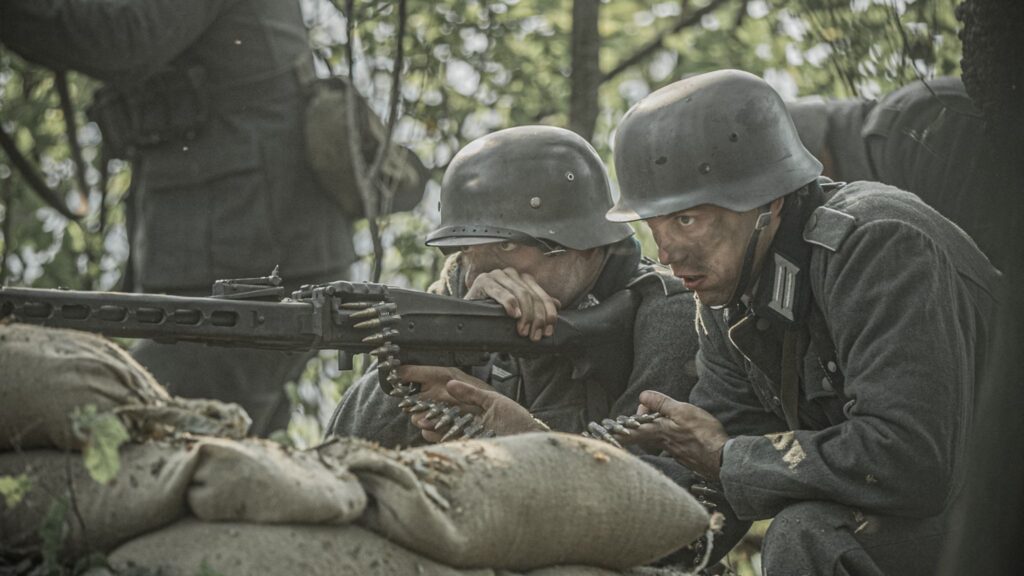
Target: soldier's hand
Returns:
[689, 434]
[495, 411]
[521, 297]
[433, 380]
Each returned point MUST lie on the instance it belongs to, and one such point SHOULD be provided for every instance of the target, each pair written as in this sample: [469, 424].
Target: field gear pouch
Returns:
[327, 148]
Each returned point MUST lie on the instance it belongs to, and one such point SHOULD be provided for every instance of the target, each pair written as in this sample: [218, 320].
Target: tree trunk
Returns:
[586, 67]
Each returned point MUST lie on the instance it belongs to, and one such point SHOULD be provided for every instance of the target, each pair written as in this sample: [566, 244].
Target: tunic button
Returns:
[826, 384]
[776, 401]
[812, 221]
[763, 324]
[832, 367]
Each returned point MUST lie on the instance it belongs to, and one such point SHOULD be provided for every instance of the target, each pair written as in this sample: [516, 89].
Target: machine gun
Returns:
[394, 325]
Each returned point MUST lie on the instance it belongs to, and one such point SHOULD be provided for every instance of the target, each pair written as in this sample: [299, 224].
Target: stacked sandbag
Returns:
[164, 473]
[263, 482]
[48, 373]
[566, 505]
[190, 547]
[160, 482]
[238, 549]
[147, 493]
[523, 502]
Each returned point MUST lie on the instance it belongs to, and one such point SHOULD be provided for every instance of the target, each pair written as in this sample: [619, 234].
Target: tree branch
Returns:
[34, 180]
[685, 21]
[7, 193]
[586, 67]
[368, 178]
[68, 109]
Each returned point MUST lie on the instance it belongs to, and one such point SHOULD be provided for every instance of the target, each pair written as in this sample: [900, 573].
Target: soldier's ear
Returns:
[776, 206]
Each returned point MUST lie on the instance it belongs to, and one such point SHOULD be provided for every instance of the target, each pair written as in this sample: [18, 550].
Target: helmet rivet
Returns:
[535, 201]
[705, 168]
[570, 176]
[734, 137]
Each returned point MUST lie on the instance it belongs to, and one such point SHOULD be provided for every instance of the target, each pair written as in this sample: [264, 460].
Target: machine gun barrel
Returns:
[346, 316]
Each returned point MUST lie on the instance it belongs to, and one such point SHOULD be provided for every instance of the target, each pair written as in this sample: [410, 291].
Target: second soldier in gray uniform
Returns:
[523, 209]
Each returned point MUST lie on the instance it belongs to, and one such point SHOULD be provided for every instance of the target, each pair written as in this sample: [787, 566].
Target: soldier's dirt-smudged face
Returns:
[705, 246]
[564, 276]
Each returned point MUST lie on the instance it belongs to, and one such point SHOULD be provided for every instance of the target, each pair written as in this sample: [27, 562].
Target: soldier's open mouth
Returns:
[692, 282]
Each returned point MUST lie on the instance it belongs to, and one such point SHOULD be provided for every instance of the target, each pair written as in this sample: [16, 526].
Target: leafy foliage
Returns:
[103, 434]
[52, 534]
[14, 488]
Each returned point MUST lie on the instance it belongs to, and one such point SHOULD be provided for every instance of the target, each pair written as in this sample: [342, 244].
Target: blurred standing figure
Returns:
[206, 98]
[926, 137]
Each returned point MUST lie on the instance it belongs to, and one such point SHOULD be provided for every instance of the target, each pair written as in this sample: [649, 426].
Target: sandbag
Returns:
[48, 372]
[191, 547]
[159, 482]
[593, 571]
[261, 481]
[147, 493]
[523, 502]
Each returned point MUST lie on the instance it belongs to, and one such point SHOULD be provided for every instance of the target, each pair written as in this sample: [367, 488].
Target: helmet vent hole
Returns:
[570, 176]
[734, 137]
[661, 160]
[704, 168]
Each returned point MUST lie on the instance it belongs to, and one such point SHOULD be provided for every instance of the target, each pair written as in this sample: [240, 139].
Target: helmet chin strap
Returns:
[746, 272]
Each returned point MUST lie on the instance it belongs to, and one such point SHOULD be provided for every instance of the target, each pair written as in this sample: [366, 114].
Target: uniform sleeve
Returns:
[106, 39]
[365, 411]
[664, 348]
[904, 334]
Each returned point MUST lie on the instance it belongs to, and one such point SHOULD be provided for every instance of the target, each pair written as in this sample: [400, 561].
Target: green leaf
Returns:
[206, 570]
[51, 532]
[103, 434]
[14, 489]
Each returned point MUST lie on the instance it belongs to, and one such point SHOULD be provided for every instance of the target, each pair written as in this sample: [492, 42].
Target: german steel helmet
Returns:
[721, 138]
[528, 183]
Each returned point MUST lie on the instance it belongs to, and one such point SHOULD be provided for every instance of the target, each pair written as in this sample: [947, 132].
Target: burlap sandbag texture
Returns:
[147, 493]
[48, 372]
[159, 482]
[523, 502]
[238, 549]
[261, 481]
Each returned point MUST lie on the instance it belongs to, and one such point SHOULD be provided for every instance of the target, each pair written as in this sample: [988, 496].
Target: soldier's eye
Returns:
[507, 246]
[685, 220]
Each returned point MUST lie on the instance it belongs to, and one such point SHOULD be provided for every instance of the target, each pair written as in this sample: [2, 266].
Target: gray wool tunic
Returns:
[663, 359]
[908, 301]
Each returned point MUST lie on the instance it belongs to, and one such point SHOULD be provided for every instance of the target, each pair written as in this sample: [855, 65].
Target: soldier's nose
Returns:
[663, 256]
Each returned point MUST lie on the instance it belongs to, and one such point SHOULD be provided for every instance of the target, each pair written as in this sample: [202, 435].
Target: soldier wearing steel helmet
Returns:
[522, 214]
[842, 331]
